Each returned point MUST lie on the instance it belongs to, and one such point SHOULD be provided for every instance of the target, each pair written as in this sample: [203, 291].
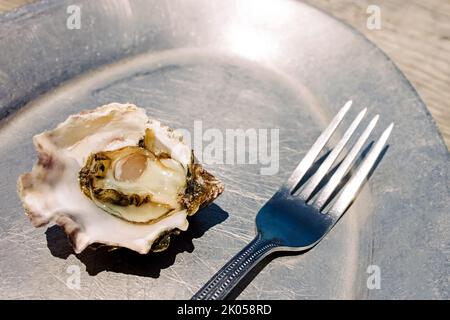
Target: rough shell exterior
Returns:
[51, 193]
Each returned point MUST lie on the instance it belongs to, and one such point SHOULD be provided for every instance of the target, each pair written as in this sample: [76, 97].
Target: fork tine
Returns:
[314, 181]
[351, 189]
[312, 154]
[331, 185]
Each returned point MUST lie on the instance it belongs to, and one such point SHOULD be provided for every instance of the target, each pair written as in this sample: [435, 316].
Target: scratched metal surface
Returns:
[231, 64]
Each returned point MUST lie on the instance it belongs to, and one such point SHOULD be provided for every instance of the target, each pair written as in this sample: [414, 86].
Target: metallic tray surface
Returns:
[229, 64]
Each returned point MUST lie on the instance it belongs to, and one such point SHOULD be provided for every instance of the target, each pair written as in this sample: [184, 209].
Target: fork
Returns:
[298, 215]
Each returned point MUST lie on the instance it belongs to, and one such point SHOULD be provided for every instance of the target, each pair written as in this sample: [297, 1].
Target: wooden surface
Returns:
[414, 33]
[11, 4]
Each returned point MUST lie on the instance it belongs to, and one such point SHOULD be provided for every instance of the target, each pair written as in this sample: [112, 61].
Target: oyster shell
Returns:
[113, 176]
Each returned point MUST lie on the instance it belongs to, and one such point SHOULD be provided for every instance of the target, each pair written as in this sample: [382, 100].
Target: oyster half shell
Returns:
[113, 176]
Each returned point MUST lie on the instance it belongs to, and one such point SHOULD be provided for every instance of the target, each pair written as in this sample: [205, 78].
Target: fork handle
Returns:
[221, 284]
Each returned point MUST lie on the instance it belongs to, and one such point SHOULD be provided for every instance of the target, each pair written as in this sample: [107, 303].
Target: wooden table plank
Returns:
[12, 4]
[414, 33]
[416, 36]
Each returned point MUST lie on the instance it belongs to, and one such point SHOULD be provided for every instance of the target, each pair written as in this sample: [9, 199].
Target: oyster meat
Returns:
[113, 176]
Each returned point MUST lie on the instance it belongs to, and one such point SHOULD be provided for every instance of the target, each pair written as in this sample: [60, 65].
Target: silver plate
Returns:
[231, 64]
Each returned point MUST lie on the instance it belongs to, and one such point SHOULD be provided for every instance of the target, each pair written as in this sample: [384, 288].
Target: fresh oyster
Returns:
[113, 176]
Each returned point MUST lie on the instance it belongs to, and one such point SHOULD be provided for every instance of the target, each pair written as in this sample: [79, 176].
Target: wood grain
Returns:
[416, 36]
[12, 4]
[414, 33]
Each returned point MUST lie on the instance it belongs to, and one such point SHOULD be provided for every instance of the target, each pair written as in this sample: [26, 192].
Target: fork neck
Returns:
[223, 282]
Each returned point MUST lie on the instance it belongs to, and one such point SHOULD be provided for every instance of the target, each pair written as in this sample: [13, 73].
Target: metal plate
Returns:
[231, 64]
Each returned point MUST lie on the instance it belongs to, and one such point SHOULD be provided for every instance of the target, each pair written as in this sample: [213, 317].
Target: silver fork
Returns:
[295, 219]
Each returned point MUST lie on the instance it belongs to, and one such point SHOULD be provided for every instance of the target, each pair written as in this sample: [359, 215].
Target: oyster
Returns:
[113, 176]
